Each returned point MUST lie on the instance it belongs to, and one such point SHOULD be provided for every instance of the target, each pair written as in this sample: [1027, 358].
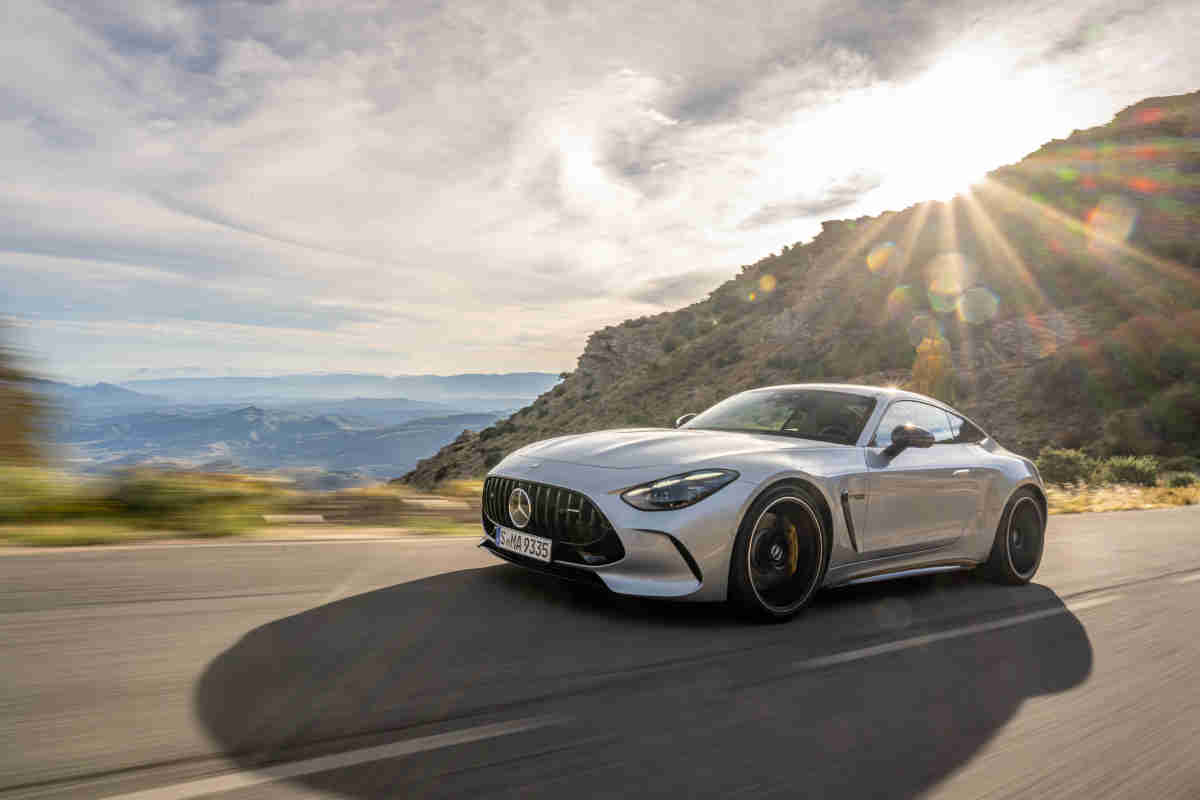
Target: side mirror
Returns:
[905, 436]
[686, 418]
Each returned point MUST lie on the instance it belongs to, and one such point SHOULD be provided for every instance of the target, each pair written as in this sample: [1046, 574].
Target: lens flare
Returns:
[923, 327]
[1113, 218]
[946, 278]
[879, 256]
[977, 305]
[1042, 337]
[1149, 116]
[1144, 185]
[767, 283]
[901, 302]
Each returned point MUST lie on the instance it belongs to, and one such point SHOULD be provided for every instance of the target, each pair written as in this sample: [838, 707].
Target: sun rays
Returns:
[1075, 225]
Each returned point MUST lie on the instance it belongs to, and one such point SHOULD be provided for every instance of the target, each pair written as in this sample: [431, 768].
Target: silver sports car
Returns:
[770, 495]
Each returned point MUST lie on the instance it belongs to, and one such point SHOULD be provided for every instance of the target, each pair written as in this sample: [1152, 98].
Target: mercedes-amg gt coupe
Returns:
[770, 495]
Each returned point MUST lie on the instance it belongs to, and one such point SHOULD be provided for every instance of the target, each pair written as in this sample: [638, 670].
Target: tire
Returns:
[780, 554]
[1020, 540]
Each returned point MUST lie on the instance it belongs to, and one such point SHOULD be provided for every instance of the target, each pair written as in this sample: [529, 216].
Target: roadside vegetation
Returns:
[1077, 482]
[41, 507]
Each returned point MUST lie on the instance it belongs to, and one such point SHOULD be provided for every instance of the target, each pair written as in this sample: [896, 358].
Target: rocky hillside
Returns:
[1062, 291]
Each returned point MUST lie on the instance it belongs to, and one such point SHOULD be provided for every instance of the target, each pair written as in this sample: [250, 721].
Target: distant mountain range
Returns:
[258, 438]
[98, 399]
[500, 389]
[371, 426]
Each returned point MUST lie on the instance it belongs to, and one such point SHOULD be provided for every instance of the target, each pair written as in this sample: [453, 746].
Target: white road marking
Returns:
[242, 780]
[1195, 576]
[1092, 602]
[966, 630]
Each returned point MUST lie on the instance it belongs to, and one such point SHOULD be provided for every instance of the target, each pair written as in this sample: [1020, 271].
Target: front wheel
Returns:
[1020, 539]
[780, 554]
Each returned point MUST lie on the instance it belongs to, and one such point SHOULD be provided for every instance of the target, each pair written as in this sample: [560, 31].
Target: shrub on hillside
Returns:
[1181, 480]
[784, 361]
[932, 370]
[729, 356]
[1124, 367]
[1126, 431]
[1064, 466]
[1179, 464]
[1140, 470]
[1174, 414]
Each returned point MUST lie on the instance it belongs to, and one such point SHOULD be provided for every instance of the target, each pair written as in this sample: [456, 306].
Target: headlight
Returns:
[678, 491]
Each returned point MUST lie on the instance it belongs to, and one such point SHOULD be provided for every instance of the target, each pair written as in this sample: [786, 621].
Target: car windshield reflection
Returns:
[819, 414]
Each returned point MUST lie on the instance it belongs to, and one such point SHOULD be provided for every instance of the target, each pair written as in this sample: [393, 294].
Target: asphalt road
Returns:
[425, 668]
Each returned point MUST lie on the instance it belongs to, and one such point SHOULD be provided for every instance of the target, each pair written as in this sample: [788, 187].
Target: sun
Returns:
[967, 115]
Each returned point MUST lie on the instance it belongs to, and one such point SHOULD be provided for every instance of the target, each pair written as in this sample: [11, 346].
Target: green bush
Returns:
[1181, 480]
[201, 505]
[198, 504]
[1064, 466]
[1140, 470]
[1179, 464]
[30, 494]
[731, 355]
[784, 361]
[1174, 414]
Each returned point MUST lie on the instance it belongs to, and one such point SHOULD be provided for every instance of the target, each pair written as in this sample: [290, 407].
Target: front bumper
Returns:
[681, 554]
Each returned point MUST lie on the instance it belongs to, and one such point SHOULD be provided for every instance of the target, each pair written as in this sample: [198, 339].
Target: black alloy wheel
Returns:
[780, 555]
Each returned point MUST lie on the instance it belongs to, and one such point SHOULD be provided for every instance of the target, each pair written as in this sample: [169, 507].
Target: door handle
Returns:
[961, 473]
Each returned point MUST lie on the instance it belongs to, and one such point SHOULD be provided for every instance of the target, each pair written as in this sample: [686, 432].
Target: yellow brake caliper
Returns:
[793, 546]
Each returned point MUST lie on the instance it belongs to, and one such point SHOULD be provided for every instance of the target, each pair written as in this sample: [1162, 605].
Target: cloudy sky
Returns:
[404, 187]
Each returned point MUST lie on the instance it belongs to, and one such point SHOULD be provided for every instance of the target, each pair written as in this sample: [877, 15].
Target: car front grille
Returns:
[579, 530]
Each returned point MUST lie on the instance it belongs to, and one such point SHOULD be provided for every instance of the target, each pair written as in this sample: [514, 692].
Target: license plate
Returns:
[523, 544]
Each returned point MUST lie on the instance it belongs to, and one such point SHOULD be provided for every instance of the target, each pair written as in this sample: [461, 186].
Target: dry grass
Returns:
[1078, 498]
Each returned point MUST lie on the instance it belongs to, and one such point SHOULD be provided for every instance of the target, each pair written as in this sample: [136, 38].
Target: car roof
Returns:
[887, 392]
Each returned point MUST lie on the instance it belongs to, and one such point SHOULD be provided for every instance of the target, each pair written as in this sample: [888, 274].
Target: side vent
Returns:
[849, 520]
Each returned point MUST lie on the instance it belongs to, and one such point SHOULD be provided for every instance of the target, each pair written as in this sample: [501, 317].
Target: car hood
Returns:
[652, 447]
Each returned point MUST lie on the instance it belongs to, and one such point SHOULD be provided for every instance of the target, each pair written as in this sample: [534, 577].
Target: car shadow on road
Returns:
[743, 701]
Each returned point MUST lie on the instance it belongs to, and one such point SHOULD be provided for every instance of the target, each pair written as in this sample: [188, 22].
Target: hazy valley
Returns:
[324, 430]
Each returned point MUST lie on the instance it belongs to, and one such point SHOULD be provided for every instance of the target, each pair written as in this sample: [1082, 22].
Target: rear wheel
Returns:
[1020, 539]
[780, 554]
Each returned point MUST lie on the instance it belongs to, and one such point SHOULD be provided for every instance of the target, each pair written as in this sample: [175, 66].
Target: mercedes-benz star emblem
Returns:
[519, 507]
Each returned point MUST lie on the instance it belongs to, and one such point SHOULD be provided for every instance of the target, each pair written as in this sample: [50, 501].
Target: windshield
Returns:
[827, 416]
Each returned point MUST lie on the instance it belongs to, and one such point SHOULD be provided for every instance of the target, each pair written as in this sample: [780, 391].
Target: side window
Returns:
[964, 432]
[924, 416]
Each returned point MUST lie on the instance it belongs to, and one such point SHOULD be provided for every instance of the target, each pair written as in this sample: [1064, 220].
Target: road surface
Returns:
[424, 668]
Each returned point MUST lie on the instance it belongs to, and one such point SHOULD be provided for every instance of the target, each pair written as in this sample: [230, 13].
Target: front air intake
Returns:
[580, 531]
